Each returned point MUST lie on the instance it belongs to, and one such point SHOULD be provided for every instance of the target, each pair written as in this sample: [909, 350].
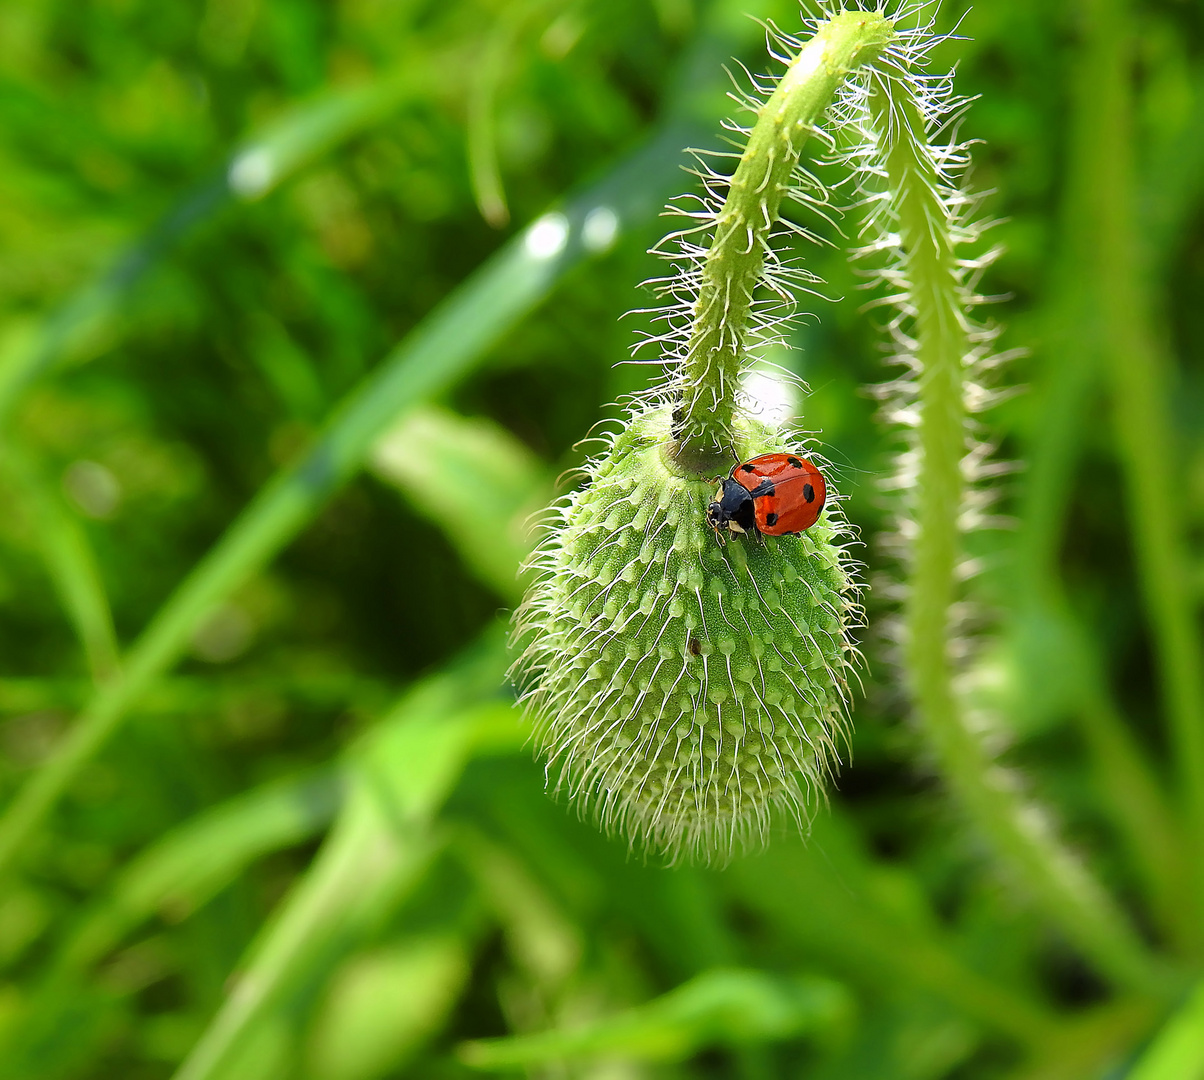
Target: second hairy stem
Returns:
[941, 342]
[709, 378]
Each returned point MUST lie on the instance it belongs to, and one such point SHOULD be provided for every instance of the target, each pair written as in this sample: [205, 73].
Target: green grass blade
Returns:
[439, 352]
[1089, 1043]
[266, 160]
[313, 129]
[1140, 388]
[179, 693]
[186, 867]
[829, 900]
[360, 864]
[1177, 1052]
[383, 1005]
[379, 847]
[1133, 794]
[544, 943]
[72, 567]
[717, 1008]
[432, 452]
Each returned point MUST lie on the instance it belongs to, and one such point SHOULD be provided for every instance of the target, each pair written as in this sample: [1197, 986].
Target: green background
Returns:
[283, 376]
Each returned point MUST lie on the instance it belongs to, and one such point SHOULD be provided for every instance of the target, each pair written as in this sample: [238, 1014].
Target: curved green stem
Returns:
[709, 380]
[942, 344]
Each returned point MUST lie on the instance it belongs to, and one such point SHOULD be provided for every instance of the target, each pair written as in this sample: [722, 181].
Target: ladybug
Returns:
[774, 494]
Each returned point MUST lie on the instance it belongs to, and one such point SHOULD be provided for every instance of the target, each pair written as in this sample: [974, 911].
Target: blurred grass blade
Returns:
[383, 1005]
[1140, 388]
[314, 129]
[490, 69]
[1172, 179]
[543, 942]
[196, 692]
[180, 872]
[398, 778]
[826, 898]
[717, 1008]
[1177, 1052]
[297, 138]
[432, 452]
[72, 567]
[433, 357]
[1131, 793]
[362, 867]
[1054, 649]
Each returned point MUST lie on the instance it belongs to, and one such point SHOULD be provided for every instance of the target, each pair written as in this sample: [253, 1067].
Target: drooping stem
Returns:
[708, 380]
[940, 340]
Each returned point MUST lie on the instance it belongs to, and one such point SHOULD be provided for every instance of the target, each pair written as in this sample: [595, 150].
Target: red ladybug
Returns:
[776, 494]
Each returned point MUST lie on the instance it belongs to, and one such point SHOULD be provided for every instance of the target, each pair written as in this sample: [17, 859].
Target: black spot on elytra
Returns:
[808, 493]
[749, 468]
[771, 519]
[765, 487]
[695, 647]
[794, 463]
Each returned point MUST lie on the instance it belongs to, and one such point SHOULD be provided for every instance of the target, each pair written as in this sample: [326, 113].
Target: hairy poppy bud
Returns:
[681, 687]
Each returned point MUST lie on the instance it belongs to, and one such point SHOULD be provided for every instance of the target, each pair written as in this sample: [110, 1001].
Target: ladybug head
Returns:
[732, 508]
[715, 518]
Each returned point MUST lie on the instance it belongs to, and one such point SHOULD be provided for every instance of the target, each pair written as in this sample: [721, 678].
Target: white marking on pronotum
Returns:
[547, 236]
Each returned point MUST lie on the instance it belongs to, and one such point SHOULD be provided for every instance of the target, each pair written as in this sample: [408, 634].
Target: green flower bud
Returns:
[683, 688]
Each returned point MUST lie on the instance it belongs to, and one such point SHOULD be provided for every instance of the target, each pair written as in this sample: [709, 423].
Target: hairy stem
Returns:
[708, 382]
[942, 345]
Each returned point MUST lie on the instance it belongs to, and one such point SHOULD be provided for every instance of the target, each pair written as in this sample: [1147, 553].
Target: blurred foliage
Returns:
[303, 308]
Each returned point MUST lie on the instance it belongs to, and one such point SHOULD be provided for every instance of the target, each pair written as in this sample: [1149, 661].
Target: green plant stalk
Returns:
[709, 379]
[1178, 1049]
[71, 566]
[1068, 894]
[1135, 803]
[1136, 366]
[1131, 790]
[484, 170]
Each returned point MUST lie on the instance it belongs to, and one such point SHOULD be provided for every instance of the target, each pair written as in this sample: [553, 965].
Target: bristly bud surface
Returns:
[684, 689]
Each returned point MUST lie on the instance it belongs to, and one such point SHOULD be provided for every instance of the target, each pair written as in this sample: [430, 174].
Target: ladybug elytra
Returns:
[774, 494]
